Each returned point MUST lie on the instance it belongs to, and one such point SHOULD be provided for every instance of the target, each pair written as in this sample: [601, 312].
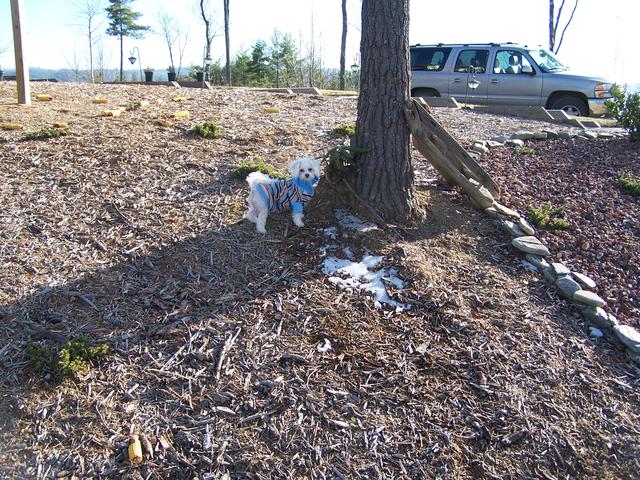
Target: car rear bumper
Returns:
[596, 107]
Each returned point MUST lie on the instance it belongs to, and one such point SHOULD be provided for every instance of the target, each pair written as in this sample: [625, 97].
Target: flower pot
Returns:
[148, 76]
[172, 76]
[200, 76]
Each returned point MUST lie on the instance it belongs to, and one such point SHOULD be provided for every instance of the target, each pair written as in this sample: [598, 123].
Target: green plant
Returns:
[45, 133]
[629, 184]
[342, 157]
[149, 69]
[206, 130]
[245, 168]
[625, 108]
[345, 129]
[549, 217]
[524, 150]
[70, 361]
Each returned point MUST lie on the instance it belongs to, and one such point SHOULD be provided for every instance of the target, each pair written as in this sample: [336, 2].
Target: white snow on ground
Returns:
[331, 232]
[346, 220]
[363, 276]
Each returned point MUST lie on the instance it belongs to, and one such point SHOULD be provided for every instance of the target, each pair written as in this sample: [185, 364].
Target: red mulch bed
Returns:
[582, 176]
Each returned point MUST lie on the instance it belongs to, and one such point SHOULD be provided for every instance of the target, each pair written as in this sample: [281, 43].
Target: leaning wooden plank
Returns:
[454, 151]
[480, 196]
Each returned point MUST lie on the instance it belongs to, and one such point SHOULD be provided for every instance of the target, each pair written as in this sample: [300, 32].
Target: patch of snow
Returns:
[324, 346]
[325, 248]
[363, 276]
[330, 232]
[349, 254]
[346, 220]
[595, 332]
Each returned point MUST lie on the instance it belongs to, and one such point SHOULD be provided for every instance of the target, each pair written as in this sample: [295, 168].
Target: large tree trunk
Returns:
[385, 177]
[343, 43]
[121, 58]
[552, 29]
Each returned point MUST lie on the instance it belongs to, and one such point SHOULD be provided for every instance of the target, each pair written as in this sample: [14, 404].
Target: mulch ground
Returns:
[582, 178]
[131, 233]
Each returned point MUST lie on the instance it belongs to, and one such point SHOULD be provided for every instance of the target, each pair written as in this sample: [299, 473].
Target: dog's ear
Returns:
[294, 167]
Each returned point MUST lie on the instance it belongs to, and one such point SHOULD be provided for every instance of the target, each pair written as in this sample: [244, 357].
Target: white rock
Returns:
[588, 298]
[629, 336]
[583, 280]
[529, 244]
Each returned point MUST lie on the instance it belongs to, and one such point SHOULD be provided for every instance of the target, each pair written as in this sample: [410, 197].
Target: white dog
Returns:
[269, 195]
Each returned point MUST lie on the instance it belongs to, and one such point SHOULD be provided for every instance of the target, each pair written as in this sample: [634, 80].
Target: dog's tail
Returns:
[257, 177]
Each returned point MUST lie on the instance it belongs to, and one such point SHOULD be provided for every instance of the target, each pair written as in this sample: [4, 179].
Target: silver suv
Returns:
[507, 74]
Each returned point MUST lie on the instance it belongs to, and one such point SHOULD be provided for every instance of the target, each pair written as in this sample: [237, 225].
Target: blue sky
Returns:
[603, 37]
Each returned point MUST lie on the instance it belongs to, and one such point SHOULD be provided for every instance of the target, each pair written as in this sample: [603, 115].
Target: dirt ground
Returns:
[131, 233]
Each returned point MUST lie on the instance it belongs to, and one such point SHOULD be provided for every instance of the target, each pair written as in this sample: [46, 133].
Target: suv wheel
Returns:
[571, 105]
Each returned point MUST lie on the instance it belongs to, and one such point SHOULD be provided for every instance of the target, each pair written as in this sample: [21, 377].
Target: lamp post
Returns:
[207, 62]
[471, 84]
[132, 59]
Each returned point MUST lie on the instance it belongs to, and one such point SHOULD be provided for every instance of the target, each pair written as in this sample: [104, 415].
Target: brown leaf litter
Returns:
[130, 233]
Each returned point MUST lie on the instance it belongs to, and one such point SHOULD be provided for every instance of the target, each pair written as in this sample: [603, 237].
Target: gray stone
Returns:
[598, 317]
[588, 298]
[511, 228]
[515, 141]
[481, 142]
[505, 210]
[595, 332]
[549, 275]
[501, 139]
[530, 244]
[492, 212]
[585, 281]
[538, 261]
[589, 134]
[560, 269]
[526, 226]
[567, 286]
[540, 135]
[494, 144]
[479, 147]
[605, 135]
[589, 123]
[551, 134]
[564, 135]
[473, 154]
[522, 135]
[629, 336]
[635, 357]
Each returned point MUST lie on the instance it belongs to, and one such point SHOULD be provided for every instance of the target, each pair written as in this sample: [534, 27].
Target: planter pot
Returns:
[171, 76]
[148, 76]
[200, 76]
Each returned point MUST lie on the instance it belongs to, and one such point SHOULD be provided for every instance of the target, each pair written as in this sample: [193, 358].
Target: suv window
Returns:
[432, 59]
[472, 58]
[510, 62]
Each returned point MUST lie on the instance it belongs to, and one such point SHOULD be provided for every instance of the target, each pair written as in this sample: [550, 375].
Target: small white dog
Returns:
[270, 195]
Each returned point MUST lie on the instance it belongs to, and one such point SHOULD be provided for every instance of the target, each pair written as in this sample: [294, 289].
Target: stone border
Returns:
[573, 286]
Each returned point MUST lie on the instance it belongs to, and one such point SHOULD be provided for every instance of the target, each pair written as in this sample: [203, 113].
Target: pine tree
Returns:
[122, 23]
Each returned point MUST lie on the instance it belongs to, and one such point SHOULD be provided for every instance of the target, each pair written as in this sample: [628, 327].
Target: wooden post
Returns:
[22, 69]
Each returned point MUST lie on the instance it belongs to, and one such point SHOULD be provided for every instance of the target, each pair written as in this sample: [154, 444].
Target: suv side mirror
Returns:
[528, 69]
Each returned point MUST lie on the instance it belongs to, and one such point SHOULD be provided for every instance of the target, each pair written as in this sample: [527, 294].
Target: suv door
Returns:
[514, 79]
[470, 64]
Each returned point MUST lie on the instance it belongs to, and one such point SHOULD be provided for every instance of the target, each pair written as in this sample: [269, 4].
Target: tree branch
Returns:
[565, 27]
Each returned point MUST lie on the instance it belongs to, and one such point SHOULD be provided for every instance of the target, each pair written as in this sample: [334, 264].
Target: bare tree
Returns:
[554, 23]
[209, 35]
[343, 43]
[90, 11]
[227, 45]
[169, 29]
[74, 65]
[385, 177]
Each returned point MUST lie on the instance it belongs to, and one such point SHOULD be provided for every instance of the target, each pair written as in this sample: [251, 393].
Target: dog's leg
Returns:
[261, 221]
[297, 219]
[250, 214]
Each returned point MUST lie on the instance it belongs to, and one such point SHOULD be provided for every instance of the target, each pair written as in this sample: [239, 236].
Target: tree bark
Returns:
[343, 43]
[552, 30]
[385, 177]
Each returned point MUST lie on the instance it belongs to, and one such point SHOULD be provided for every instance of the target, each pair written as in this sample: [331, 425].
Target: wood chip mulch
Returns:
[131, 233]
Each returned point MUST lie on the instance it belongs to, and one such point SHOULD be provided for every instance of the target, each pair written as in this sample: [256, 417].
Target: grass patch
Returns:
[245, 168]
[46, 133]
[206, 130]
[524, 150]
[73, 359]
[345, 129]
[630, 185]
[549, 217]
